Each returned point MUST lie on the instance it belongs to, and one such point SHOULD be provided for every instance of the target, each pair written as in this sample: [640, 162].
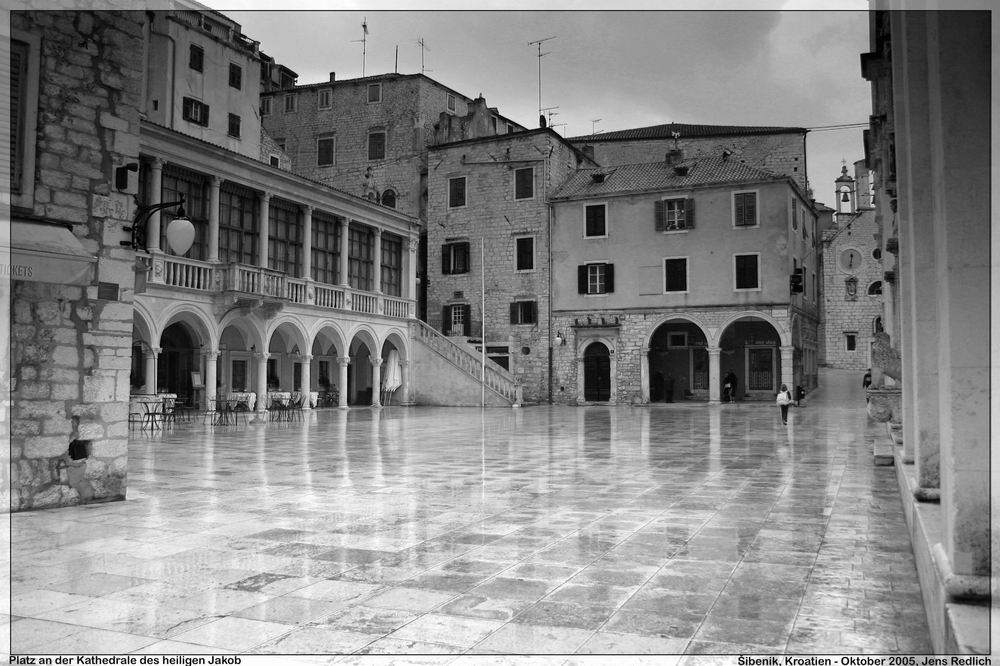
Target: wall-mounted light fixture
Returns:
[180, 230]
[560, 340]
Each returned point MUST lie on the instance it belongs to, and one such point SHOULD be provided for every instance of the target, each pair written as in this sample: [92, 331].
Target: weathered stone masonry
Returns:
[70, 350]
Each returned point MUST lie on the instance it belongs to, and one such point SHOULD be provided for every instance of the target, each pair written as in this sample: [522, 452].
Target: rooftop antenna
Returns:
[364, 44]
[423, 47]
[538, 43]
[593, 125]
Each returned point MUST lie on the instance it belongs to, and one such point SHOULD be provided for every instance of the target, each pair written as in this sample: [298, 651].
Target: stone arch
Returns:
[293, 328]
[663, 319]
[195, 319]
[363, 346]
[329, 338]
[250, 329]
[183, 334]
[755, 354]
[783, 333]
[397, 339]
[674, 364]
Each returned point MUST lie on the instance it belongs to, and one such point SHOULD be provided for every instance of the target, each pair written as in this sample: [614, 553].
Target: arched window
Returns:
[877, 325]
[389, 198]
[875, 288]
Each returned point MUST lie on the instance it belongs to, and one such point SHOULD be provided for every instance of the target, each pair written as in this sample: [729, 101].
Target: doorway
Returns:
[597, 373]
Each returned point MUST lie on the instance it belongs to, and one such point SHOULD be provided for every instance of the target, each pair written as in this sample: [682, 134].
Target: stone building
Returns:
[930, 77]
[671, 274]
[488, 213]
[776, 149]
[76, 87]
[852, 275]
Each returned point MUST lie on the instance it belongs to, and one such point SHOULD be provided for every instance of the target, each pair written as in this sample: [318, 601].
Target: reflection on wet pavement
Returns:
[666, 529]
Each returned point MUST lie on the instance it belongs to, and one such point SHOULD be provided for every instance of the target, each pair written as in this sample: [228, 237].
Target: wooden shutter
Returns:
[446, 259]
[751, 209]
[534, 312]
[18, 86]
[581, 279]
[609, 278]
[689, 213]
[513, 313]
[467, 320]
[660, 217]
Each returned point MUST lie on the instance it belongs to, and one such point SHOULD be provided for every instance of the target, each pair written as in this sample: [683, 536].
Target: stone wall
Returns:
[71, 350]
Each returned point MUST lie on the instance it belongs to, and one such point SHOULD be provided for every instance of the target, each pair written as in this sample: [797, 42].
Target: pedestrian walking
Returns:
[784, 399]
[729, 387]
[866, 381]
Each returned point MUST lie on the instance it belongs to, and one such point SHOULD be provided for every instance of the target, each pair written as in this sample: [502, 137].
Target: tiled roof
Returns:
[658, 176]
[686, 132]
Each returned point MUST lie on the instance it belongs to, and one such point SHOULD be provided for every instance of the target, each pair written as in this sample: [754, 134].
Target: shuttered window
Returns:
[455, 258]
[745, 209]
[674, 214]
[18, 106]
[595, 278]
[524, 312]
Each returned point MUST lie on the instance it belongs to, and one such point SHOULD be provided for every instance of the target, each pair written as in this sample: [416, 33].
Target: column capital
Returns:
[344, 361]
[306, 209]
[214, 181]
[714, 351]
[210, 353]
[377, 231]
[376, 361]
[259, 355]
[265, 196]
[403, 363]
[306, 357]
[156, 350]
[156, 162]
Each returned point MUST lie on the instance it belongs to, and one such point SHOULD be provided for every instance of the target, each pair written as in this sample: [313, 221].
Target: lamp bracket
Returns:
[141, 220]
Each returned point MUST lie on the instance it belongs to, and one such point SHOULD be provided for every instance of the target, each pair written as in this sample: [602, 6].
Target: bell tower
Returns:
[846, 192]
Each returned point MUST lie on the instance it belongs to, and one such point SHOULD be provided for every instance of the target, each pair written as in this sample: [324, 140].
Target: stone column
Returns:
[714, 375]
[306, 387]
[916, 217]
[787, 368]
[155, 193]
[261, 407]
[404, 375]
[410, 257]
[213, 218]
[344, 251]
[343, 362]
[644, 375]
[307, 241]
[960, 171]
[376, 362]
[211, 378]
[150, 358]
[265, 225]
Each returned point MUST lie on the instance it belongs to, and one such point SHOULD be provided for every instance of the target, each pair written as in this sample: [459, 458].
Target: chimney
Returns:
[675, 155]
[333, 76]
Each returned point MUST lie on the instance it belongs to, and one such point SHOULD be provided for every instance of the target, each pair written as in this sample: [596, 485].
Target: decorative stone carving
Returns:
[885, 404]
[885, 357]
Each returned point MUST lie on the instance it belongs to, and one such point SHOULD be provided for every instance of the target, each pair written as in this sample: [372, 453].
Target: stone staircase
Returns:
[499, 382]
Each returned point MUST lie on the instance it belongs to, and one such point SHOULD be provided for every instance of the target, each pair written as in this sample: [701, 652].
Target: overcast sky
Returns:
[626, 68]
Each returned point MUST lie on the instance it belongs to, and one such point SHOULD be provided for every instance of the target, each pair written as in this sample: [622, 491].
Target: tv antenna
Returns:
[538, 43]
[550, 112]
[593, 125]
[423, 47]
[364, 44]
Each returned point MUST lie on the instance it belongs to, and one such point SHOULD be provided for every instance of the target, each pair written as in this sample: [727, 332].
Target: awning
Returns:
[39, 252]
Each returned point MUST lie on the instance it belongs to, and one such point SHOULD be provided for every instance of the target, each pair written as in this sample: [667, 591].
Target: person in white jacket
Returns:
[784, 399]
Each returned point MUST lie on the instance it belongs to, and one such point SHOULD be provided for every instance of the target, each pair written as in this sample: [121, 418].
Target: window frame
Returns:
[265, 106]
[735, 208]
[291, 103]
[452, 250]
[333, 151]
[385, 141]
[681, 224]
[452, 103]
[368, 93]
[586, 208]
[25, 149]
[523, 313]
[238, 71]
[518, 183]
[235, 118]
[850, 339]
[518, 254]
[736, 272]
[451, 192]
[320, 94]
[188, 107]
[196, 58]
[602, 276]
[687, 276]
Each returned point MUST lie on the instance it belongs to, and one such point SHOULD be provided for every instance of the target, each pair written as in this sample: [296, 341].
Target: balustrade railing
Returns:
[186, 273]
[329, 297]
[364, 303]
[297, 291]
[395, 307]
[255, 280]
[496, 378]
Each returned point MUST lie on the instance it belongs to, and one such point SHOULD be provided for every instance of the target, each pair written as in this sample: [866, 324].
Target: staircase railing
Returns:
[497, 379]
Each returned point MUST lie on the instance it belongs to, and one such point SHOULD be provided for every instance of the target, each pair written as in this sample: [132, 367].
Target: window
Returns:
[291, 103]
[392, 265]
[196, 58]
[326, 248]
[235, 76]
[376, 145]
[745, 209]
[524, 312]
[494, 124]
[360, 257]
[389, 198]
[795, 215]
[596, 278]
[195, 112]
[675, 340]
[456, 192]
[274, 161]
[851, 341]
[234, 125]
[456, 319]
[875, 288]
[455, 258]
[524, 183]
[324, 98]
[595, 221]
[237, 224]
[284, 243]
[179, 184]
[675, 277]
[510, 128]
[451, 102]
[674, 214]
[747, 276]
[265, 106]
[24, 80]
[525, 253]
[325, 151]
[374, 92]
